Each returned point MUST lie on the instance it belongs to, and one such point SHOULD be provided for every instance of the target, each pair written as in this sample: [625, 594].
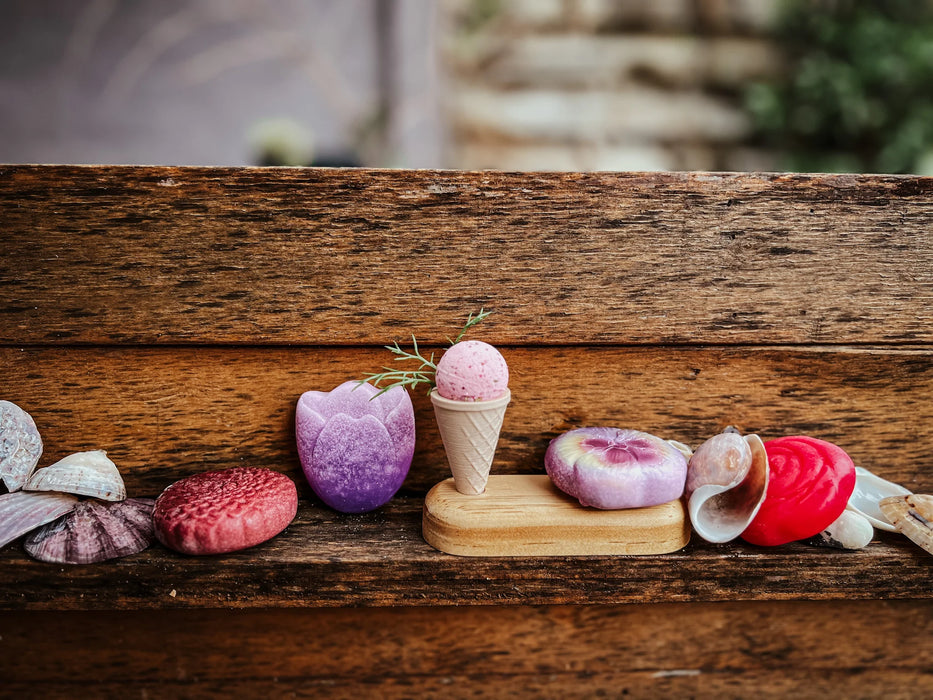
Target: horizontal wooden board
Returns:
[328, 559]
[318, 256]
[165, 413]
[892, 684]
[774, 649]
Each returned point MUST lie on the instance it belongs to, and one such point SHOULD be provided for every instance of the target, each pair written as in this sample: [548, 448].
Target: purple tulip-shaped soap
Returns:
[355, 449]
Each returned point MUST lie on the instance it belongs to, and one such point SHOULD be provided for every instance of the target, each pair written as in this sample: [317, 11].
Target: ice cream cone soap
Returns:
[470, 432]
[470, 392]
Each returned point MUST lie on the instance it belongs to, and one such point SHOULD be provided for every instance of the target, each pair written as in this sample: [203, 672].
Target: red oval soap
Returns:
[224, 511]
[809, 485]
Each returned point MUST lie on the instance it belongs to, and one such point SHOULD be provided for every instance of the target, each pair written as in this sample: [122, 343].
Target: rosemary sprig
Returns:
[424, 374]
[470, 322]
[402, 377]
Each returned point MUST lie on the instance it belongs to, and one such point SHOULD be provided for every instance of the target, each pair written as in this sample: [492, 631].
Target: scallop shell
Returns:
[83, 473]
[20, 445]
[869, 489]
[912, 516]
[22, 512]
[727, 479]
[95, 531]
[851, 530]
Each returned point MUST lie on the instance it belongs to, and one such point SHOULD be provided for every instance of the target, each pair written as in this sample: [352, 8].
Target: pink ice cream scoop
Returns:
[472, 370]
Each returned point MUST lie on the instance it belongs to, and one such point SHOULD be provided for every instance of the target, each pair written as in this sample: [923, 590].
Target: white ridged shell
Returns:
[20, 445]
[82, 473]
[727, 479]
[869, 490]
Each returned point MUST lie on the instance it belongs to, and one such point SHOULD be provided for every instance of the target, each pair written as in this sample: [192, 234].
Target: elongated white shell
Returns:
[82, 473]
[869, 490]
[727, 479]
[22, 511]
[851, 530]
[912, 516]
[20, 445]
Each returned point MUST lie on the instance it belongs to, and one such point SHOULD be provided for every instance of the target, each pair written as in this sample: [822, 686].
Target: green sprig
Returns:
[426, 370]
[470, 322]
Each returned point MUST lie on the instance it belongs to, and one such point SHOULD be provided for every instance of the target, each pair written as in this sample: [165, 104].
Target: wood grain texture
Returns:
[174, 315]
[328, 559]
[799, 683]
[526, 515]
[807, 649]
[165, 413]
[317, 256]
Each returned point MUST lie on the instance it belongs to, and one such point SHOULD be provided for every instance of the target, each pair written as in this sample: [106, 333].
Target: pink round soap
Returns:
[472, 370]
[611, 468]
[224, 511]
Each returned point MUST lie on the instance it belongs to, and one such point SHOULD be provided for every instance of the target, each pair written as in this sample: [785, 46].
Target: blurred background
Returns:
[805, 85]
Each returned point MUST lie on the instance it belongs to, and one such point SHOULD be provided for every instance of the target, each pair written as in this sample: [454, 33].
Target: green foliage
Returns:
[477, 14]
[424, 373]
[858, 93]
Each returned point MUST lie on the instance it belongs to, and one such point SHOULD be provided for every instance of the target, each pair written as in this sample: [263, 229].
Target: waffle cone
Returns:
[470, 431]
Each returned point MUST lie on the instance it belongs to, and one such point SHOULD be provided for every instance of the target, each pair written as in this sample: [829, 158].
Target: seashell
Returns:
[22, 512]
[20, 445]
[851, 530]
[682, 448]
[912, 516]
[727, 480]
[869, 489]
[95, 531]
[82, 473]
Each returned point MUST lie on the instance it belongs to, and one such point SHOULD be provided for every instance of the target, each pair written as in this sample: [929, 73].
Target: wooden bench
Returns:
[172, 316]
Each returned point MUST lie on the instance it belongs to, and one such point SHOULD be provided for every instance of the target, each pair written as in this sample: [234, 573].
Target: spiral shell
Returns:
[727, 479]
[851, 530]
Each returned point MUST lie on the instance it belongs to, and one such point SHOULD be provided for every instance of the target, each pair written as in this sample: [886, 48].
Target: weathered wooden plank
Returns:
[805, 683]
[165, 413]
[704, 650]
[317, 256]
[328, 559]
